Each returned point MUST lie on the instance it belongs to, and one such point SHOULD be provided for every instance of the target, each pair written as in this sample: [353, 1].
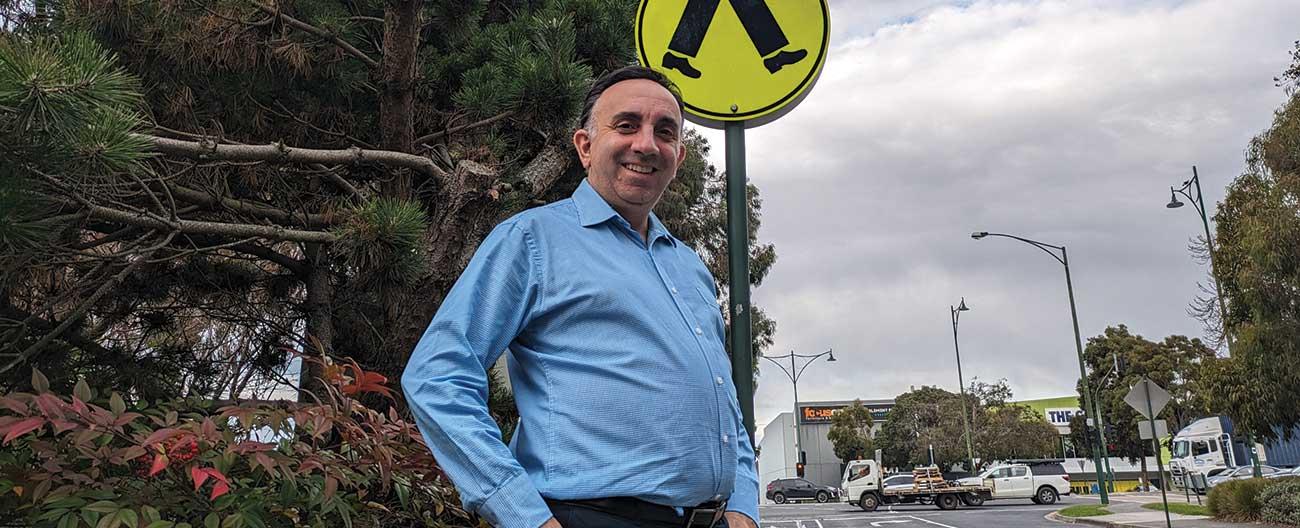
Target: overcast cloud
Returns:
[1061, 121]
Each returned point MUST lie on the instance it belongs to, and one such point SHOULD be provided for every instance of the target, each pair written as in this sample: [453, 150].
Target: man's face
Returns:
[634, 147]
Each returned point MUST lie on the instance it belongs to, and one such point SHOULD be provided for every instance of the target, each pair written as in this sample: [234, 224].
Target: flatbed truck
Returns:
[861, 486]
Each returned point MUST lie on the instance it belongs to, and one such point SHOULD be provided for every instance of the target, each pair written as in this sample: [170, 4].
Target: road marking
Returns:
[881, 523]
[932, 522]
[819, 523]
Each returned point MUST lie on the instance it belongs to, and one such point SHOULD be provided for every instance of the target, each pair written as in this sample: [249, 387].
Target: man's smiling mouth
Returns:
[642, 169]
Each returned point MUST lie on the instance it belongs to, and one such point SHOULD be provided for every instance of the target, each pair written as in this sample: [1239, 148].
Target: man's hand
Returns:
[551, 523]
[739, 520]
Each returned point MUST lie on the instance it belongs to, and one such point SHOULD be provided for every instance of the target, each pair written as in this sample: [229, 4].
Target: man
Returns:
[628, 416]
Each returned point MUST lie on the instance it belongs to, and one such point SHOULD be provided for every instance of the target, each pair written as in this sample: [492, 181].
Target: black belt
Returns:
[705, 515]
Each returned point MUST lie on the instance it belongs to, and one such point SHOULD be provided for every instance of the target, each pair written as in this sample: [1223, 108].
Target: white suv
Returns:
[1040, 481]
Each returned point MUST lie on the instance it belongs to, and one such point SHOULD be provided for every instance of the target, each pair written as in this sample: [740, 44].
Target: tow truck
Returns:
[862, 486]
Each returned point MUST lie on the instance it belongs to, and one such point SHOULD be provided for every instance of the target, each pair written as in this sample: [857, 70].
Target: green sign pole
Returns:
[742, 362]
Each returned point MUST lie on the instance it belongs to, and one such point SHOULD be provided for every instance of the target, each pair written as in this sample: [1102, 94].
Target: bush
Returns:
[1280, 501]
[1237, 500]
[79, 460]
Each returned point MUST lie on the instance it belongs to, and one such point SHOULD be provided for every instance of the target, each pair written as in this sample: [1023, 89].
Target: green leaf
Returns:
[82, 391]
[91, 517]
[40, 383]
[129, 518]
[116, 404]
[161, 524]
[150, 513]
[102, 507]
[212, 521]
[69, 521]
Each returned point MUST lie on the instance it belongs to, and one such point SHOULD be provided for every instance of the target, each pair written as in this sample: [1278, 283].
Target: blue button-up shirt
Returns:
[617, 364]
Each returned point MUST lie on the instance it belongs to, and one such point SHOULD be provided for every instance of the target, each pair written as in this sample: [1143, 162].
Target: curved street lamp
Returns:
[961, 381]
[794, 374]
[1198, 202]
[1089, 402]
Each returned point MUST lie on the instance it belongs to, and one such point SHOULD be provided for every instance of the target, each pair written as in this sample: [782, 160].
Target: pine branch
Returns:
[209, 228]
[280, 216]
[456, 130]
[303, 26]
[278, 152]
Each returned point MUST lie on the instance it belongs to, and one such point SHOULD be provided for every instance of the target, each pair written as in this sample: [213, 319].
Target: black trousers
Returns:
[760, 25]
[616, 513]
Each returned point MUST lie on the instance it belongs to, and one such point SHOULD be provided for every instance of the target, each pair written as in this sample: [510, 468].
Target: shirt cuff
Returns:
[516, 504]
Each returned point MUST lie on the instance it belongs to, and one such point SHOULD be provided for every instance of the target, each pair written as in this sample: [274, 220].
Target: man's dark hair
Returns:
[626, 73]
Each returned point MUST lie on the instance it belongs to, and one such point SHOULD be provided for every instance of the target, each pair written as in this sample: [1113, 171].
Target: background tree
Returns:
[194, 189]
[929, 416]
[1117, 360]
[850, 432]
[1257, 264]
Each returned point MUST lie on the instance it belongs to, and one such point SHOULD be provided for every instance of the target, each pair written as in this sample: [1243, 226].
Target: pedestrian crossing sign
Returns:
[735, 60]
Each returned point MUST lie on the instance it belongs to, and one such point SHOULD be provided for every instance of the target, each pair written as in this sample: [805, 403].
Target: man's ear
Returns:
[582, 143]
[681, 154]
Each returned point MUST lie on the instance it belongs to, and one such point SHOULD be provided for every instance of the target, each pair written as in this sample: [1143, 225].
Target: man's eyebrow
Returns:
[626, 116]
[667, 121]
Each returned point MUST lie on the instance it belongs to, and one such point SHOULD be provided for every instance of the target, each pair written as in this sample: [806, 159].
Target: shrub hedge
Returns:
[1280, 501]
[1256, 499]
[97, 460]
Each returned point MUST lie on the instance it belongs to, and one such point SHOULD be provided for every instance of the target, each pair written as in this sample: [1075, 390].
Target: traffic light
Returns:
[798, 470]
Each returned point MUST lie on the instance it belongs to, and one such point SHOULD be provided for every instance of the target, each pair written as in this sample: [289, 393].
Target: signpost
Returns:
[1148, 399]
[738, 64]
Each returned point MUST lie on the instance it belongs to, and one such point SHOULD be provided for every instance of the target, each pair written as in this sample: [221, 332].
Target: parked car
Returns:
[1243, 472]
[897, 482]
[1285, 472]
[781, 491]
[1042, 481]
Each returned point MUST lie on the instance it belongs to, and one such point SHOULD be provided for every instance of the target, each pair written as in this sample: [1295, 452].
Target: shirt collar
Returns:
[593, 210]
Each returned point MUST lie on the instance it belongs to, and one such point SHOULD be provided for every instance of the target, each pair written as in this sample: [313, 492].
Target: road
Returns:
[994, 514]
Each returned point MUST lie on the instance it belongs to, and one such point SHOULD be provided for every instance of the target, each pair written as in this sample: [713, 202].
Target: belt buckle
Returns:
[706, 515]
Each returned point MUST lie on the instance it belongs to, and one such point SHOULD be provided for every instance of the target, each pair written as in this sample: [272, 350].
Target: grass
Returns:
[1083, 510]
[1180, 508]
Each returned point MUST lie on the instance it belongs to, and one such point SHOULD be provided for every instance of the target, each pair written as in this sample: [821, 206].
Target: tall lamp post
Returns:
[961, 380]
[1198, 203]
[1089, 402]
[793, 373]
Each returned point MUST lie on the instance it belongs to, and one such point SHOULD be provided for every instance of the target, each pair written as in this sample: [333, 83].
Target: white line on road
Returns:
[932, 522]
[882, 523]
[819, 523]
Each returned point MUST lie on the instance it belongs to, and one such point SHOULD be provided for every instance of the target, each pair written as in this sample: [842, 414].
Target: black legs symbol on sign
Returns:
[760, 25]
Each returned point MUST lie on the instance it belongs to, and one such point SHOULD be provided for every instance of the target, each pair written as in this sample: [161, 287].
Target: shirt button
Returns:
[674, 289]
[699, 331]
[718, 379]
[725, 438]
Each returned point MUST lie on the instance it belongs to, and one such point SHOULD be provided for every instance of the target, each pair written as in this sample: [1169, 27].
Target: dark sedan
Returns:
[781, 491]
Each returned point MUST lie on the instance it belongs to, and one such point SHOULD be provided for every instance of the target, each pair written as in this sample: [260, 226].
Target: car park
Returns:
[784, 490]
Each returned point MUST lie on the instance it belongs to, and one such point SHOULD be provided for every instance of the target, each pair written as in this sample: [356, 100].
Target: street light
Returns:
[794, 374]
[961, 380]
[1064, 259]
[1198, 202]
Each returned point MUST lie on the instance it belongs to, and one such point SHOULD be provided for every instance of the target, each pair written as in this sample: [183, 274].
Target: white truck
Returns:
[1042, 481]
[1209, 446]
[862, 486]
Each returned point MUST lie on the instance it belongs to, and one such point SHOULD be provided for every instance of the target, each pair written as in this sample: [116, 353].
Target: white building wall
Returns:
[776, 457]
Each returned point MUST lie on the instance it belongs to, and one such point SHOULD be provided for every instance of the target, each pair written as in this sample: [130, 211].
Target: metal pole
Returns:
[1223, 307]
[961, 383]
[1155, 441]
[1083, 378]
[798, 417]
[742, 359]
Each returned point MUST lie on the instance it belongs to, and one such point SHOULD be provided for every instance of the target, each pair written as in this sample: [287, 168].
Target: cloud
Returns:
[1063, 121]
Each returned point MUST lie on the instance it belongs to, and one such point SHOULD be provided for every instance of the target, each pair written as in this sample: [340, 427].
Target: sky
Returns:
[1060, 121]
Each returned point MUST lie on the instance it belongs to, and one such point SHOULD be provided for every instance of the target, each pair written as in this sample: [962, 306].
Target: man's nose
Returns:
[644, 142]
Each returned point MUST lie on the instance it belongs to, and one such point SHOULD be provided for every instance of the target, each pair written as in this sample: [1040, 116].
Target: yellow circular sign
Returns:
[735, 60]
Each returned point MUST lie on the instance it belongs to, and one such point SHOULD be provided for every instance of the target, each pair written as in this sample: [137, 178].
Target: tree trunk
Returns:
[1146, 479]
[397, 89]
[320, 323]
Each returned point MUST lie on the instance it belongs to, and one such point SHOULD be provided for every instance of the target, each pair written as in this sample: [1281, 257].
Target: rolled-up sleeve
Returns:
[446, 381]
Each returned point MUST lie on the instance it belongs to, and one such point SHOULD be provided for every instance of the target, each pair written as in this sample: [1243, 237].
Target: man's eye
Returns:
[625, 127]
[667, 134]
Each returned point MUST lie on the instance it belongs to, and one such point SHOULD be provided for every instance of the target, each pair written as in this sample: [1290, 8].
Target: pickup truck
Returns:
[1042, 481]
[862, 486]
